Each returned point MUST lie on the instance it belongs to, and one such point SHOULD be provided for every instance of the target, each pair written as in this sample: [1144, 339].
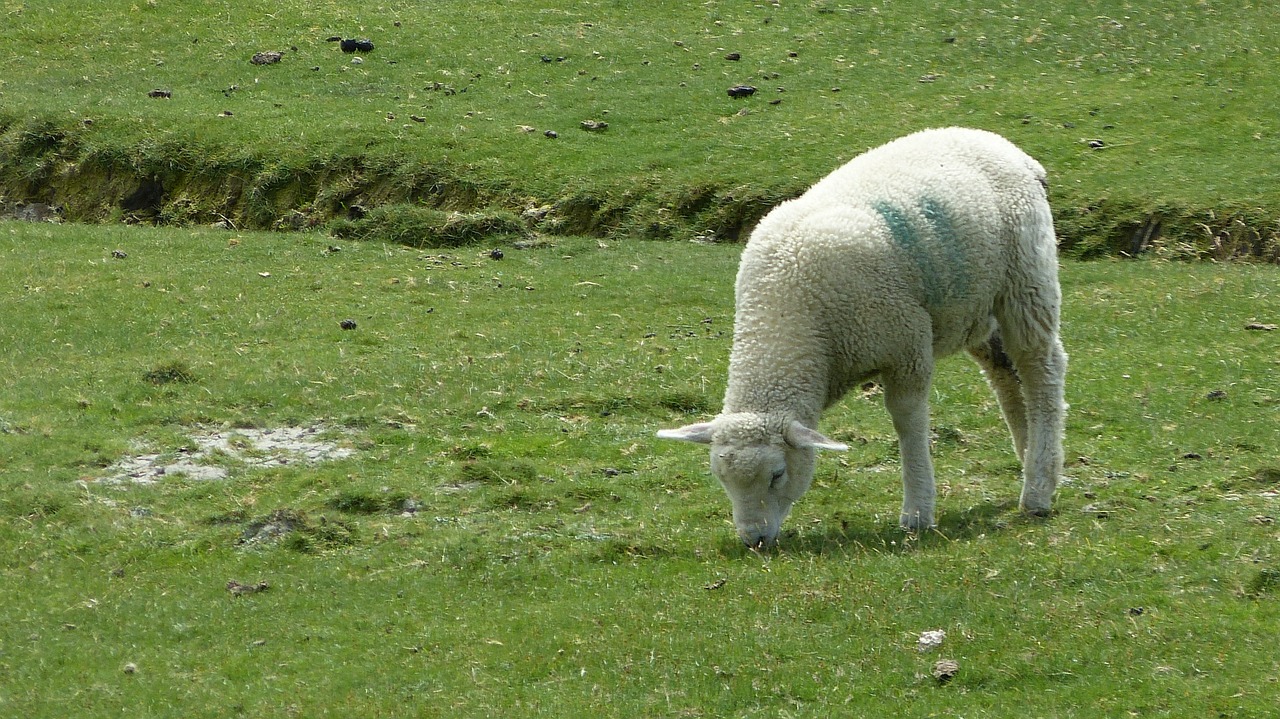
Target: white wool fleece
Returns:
[936, 242]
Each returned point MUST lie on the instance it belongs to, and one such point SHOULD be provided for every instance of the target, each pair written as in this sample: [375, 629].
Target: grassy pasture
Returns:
[508, 539]
[451, 109]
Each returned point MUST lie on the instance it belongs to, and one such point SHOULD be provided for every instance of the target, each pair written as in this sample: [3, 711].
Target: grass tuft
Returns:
[425, 227]
[356, 502]
[174, 372]
[1264, 581]
[489, 470]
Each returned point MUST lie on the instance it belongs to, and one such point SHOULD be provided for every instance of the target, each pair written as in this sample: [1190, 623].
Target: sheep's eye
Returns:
[777, 477]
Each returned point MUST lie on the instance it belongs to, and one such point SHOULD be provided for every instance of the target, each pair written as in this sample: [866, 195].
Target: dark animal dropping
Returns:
[741, 91]
[349, 45]
[347, 324]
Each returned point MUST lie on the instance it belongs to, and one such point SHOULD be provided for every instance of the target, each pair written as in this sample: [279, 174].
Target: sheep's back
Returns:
[922, 230]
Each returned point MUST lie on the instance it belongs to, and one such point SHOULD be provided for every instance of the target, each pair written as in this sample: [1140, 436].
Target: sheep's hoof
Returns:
[916, 522]
[1038, 512]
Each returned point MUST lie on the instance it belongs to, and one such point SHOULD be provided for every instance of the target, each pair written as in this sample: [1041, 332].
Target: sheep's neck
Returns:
[780, 370]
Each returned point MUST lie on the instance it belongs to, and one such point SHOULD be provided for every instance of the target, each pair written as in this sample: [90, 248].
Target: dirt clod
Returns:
[237, 589]
[269, 57]
[944, 670]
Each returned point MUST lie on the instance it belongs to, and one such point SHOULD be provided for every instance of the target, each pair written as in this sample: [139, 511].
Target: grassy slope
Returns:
[535, 582]
[1180, 94]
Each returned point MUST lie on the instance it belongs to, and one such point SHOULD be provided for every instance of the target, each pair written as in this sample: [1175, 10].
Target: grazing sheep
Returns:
[936, 242]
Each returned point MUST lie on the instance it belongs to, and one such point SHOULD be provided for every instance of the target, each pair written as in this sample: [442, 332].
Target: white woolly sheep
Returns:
[937, 242]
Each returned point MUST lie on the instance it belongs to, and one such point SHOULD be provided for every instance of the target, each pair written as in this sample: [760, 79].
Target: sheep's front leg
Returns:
[906, 396]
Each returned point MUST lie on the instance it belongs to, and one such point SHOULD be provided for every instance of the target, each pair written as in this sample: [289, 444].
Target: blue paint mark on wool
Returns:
[934, 247]
[935, 214]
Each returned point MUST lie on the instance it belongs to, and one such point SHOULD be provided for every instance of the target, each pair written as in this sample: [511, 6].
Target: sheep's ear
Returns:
[699, 433]
[801, 437]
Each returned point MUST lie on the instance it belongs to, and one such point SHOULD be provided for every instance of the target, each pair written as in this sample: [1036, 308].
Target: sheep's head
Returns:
[763, 462]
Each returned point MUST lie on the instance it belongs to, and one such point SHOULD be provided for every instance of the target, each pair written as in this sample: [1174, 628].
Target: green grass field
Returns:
[1157, 120]
[507, 537]
[498, 533]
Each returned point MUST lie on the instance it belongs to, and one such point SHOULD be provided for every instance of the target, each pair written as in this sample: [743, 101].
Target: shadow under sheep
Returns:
[864, 535]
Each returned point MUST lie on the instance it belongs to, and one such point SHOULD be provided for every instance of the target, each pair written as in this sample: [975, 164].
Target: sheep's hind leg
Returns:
[1041, 364]
[1004, 381]
[907, 399]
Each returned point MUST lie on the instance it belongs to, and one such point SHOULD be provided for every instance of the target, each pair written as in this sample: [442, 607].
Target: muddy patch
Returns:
[214, 454]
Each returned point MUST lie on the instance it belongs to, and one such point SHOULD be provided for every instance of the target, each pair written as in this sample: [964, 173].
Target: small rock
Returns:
[269, 57]
[130, 668]
[931, 639]
[1258, 326]
[166, 94]
[944, 670]
[611, 472]
[1096, 144]
[738, 91]
[495, 254]
[119, 254]
[551, 134]
[1096, 510]
[733, 56]
[357, 61]
[347, 324]
[593, 125]
[1216, 395]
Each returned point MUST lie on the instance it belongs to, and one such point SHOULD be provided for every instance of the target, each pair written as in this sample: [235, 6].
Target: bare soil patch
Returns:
[214, 453]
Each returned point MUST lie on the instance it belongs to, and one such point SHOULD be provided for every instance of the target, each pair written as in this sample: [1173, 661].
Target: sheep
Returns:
[936, 242]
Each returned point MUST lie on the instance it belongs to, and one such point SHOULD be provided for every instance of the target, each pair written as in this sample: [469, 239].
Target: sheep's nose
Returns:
[757, 541]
